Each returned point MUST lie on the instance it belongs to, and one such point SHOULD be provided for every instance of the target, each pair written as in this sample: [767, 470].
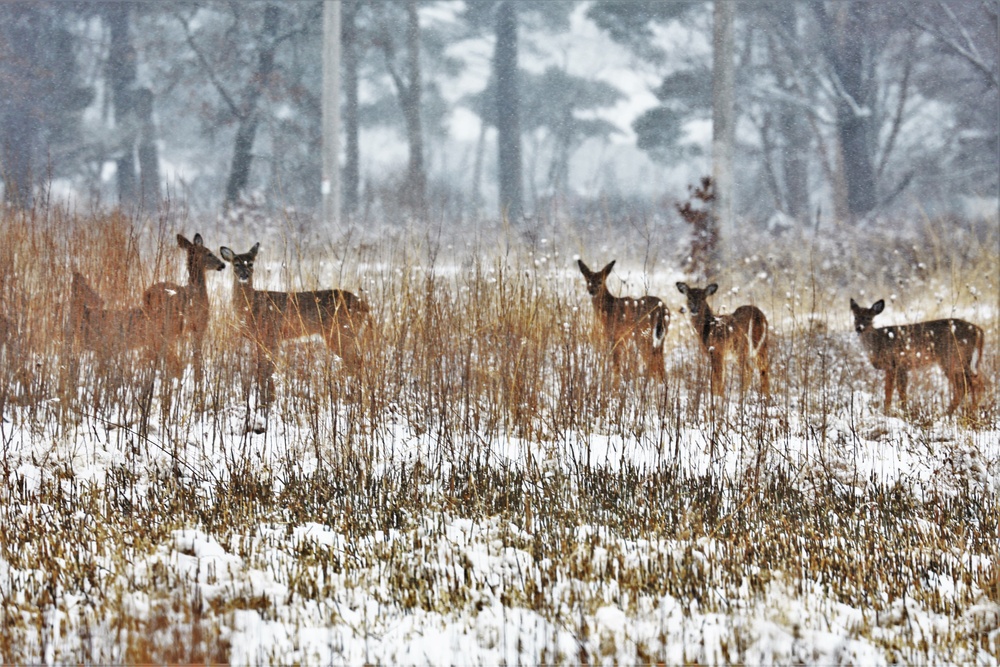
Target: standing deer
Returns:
[154, 328]
[743, 333]
[268, 318]
[644, 320]
[954, 345]
[194, 295]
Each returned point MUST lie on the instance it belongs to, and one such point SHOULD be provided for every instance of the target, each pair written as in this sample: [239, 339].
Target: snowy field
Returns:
[488, 489]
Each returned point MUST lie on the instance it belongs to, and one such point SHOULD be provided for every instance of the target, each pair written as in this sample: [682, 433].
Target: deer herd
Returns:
[171, 316]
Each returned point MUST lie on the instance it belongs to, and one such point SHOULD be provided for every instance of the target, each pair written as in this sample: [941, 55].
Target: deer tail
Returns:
[756, 348]
[660, 326]
[977, 353]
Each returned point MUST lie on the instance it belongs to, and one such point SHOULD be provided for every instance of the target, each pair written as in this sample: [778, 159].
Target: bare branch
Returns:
[897, 120]
[967, 51]
[212, 76]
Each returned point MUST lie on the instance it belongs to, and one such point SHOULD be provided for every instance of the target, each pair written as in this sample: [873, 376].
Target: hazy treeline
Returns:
[857, 107]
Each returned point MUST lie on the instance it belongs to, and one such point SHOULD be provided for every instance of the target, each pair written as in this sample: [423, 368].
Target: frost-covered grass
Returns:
[488, 489]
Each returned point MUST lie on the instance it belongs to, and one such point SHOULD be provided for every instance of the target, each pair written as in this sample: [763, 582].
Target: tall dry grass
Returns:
[479, 353]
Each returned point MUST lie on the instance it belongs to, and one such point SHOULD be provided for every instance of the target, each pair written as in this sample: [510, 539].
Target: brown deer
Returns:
[644, 320]
[954, 345]
[744, 333]
[268, 318]
[194, 295]
[154, 328]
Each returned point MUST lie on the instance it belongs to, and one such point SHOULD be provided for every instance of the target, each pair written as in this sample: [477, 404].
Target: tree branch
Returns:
[967, 52]
[897, 120]
[223, 93]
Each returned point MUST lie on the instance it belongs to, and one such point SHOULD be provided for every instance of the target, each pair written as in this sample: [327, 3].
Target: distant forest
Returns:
[854, 107]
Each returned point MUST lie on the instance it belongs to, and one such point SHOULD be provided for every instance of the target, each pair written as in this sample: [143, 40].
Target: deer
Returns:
[154, 328]
[268, 318]
[744, 333]
[194, 295]
[956, 346]
[643, 320]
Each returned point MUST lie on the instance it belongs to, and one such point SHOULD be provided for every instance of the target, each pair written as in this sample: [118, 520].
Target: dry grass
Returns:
[485, 397]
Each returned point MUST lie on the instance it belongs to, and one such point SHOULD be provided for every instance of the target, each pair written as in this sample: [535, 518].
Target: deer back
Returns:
[743, 332]
[97, 328]
[953, 344]
[624, 316]
[273, 316]
[194, 295]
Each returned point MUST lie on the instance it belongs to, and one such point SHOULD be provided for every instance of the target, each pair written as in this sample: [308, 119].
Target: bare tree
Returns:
[351, 62]
[508, 101]
[723, 117]
[240, 91]
[848, 44]
[406, 79]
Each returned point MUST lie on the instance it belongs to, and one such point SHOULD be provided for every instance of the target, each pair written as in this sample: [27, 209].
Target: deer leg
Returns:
[196, 358]
[717, 374]
[902, 380]
[174, 367]
[764, 368]
[265, 372]
[975, 383]
[616, 353]
[959, 387]
[890, 379]
[654, 359]
[743, 365]
[342, 343]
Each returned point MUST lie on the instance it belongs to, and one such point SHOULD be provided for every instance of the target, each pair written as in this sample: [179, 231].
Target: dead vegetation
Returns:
[485, 453]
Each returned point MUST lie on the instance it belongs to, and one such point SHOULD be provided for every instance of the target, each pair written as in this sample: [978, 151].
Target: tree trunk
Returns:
[723, 119]
[795, 161]
[149, 161]
[792, 121]
[477, 168]
[508, 112]
[20, 131]
[246, 132]
[416, 178]
[21, 128]
[848, 49]
[330, 190]
[121, 74]
[352, 165]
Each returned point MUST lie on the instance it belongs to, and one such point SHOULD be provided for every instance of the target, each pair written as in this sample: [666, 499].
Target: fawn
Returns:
[268, 318]
[743, 333]
[194, 295]
[155, 327]
[954, 345]
[644, 320]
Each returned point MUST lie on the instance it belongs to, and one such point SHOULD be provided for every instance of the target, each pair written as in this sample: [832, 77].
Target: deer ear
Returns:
[682, 288]
[584, 269]
[227, 254]
[182, 242]
[854, 306]
[711, 289]
[607, 269]
[254, 249]
[198, 240]
[878, 306]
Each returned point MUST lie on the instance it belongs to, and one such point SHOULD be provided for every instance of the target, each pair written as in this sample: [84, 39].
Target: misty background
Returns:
[457, 110]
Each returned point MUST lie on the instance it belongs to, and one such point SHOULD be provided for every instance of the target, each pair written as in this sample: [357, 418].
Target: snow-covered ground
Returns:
[379, 519]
